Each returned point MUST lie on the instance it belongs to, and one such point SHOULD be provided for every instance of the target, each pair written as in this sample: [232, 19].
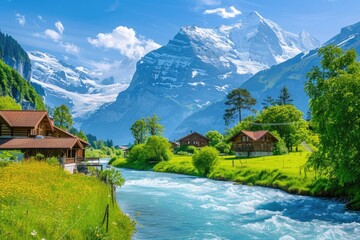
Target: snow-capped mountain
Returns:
[195, 69]
[65, 84]
[291, 73]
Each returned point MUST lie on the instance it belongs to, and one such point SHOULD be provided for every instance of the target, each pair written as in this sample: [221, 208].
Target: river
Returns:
[171, 206]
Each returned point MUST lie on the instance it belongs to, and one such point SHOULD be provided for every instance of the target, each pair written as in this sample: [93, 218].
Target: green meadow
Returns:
[42, 201]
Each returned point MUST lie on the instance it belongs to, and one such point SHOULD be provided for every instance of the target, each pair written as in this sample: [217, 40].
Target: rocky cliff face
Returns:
[195, 69]
[15, 56]
[61, 83]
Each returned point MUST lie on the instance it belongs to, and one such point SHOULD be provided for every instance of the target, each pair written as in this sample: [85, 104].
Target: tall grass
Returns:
[40, 201]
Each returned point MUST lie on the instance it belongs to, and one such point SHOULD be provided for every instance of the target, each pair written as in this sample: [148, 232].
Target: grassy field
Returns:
[40, 201]
[285, 172]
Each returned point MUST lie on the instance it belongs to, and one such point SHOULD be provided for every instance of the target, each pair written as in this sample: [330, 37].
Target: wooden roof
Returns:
[70, 135]
[24, 118]
[44, 143]
[192, 133]
[254, 135]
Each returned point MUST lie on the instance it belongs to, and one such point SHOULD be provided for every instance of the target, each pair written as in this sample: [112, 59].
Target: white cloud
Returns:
[53, 35]
[125, 40]
[40, 18]
[222, 12]
[57, 36]
[210, 2]
[70, 48]
[20, 19]
[60, 27]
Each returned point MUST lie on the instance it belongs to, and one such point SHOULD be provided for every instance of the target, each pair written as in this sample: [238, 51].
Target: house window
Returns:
[243, 138]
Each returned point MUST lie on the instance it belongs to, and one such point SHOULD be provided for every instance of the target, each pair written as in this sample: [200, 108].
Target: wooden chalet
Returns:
[253, 143]
[194, 139]
[34, 132]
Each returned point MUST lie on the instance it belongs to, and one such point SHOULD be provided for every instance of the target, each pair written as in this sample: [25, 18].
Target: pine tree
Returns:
[284, 97]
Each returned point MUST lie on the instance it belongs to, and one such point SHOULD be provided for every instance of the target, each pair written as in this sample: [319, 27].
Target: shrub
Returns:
[182, 153]
[280, 147]
[39, 156]
[52, 161]
[157, 149]
[191, 149]
[205, 159]
[136, 154]
[223, 147]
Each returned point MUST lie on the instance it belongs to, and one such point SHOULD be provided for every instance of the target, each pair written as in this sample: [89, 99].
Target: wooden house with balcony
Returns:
[253, 143]
[34, 132]
[194, 139]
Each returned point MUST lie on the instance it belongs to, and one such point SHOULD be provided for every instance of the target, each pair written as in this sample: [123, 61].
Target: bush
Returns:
[39, 156]
[191, 149]
[280, 147]
[183, 153]
[52, 161]
[223, 147]
[205, 159]
[157, 149]
[136, 154]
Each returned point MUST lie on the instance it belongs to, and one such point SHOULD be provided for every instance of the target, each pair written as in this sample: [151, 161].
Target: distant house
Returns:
[34, 132]
[173, 144]
[253, 143]
[194, 139]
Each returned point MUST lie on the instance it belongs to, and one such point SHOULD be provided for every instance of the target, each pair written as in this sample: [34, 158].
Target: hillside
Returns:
[41, 201]
[13, 85]
[14, 55]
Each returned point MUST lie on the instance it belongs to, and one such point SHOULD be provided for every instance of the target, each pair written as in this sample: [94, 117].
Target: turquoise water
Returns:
[170, 206]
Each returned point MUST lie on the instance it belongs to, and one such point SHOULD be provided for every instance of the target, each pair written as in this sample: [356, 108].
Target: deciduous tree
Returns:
[287, 121]
[153, 125]
[139, 131]
[62, 117]
[334, 90]
[215, 137]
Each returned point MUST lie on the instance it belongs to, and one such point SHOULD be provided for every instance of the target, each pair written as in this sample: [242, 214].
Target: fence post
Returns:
[106, 217]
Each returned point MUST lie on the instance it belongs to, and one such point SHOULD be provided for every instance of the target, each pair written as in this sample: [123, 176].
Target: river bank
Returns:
[285, 172]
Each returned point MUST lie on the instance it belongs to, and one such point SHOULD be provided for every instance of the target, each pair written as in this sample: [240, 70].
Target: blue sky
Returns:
[98, 34]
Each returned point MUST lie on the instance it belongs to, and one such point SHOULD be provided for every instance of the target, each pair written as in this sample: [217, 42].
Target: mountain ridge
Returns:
[196, 68]
[268, 82]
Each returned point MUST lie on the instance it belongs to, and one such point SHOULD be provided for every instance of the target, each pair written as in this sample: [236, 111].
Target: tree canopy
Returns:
[144, 127]
[62, 117]
[334, 90]
[290, 124]
[153, 125]
[8, 103]
[138, 130]
[237, 100]
[13, 85]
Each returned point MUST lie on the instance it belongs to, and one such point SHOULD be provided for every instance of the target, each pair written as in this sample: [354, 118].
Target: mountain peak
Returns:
[255, 15]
